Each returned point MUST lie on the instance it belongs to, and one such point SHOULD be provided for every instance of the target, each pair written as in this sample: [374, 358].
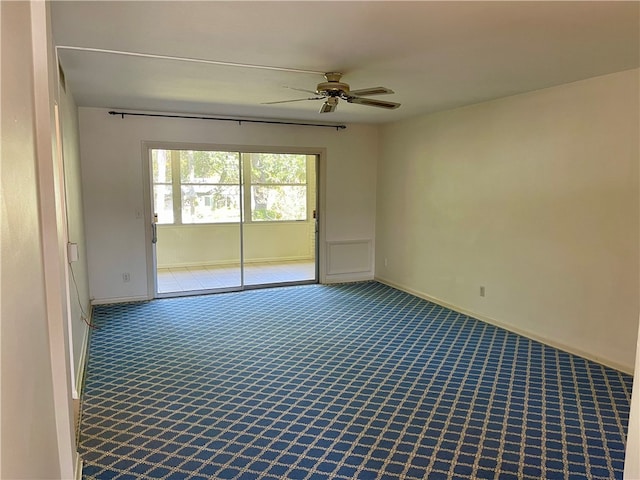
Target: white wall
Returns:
[37, 435]
[112, 171]
[533, 196]
[632, 457]
[79, 290]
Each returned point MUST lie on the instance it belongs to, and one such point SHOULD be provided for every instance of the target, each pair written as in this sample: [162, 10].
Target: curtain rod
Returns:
[240, 121]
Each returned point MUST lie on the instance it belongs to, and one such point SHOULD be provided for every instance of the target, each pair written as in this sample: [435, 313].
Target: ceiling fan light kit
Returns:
[330, 105]
[333, 89]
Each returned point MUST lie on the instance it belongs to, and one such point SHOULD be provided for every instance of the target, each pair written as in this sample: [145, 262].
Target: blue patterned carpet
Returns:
[355, 381]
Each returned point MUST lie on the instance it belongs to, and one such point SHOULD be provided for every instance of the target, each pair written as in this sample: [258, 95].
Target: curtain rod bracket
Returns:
[220, 119]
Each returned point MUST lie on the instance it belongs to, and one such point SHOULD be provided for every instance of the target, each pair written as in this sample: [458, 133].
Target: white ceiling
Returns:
[434, 55]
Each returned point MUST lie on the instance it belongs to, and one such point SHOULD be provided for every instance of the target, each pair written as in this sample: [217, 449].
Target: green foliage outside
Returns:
[267, 168]
[210, 185]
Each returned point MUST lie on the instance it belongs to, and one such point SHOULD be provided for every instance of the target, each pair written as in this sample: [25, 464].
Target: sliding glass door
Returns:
[279, 228]
[231, 220]
[197, 203]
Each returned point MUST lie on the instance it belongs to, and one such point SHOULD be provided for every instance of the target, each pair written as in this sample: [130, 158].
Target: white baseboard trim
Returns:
[77, 470]
[511, 328]
[82, 361]
[108, 301]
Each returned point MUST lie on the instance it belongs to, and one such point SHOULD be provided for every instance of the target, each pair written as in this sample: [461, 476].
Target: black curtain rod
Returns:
[240, 121]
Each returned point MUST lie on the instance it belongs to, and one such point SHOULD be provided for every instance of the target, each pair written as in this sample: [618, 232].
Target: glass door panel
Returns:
[280, 225]
[197, 198]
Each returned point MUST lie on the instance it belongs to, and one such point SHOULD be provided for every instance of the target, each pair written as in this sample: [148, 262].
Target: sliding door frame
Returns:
[147, 191]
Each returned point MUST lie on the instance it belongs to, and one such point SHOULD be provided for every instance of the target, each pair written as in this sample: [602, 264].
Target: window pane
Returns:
[209, 167]
[210, 203]
[273, 203]
[163, 203]
[278, 168]
[161, 161]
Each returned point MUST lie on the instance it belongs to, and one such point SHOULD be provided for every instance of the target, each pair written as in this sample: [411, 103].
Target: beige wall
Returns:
[193, 245]
[115, 200]
[37, 435]
[534, 197]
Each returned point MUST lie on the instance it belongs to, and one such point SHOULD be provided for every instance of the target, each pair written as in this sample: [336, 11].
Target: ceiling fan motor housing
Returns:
[333, 87]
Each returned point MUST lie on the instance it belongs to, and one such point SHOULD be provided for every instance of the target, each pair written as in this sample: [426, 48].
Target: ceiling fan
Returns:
[333, 89]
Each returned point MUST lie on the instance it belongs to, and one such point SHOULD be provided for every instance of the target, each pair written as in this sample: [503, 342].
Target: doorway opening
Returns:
[229, 220]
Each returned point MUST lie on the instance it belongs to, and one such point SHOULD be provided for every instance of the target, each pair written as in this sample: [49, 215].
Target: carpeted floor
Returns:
[355, 381]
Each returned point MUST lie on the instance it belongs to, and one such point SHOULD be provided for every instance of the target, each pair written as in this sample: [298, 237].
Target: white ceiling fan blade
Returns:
[365, 92]
[289, 101]
[312, 92]
[373, 103]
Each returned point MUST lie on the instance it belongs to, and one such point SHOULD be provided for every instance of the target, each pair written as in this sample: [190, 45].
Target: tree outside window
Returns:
[203, 186]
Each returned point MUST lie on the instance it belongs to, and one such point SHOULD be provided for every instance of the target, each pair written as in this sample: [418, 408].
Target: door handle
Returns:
[154, 229]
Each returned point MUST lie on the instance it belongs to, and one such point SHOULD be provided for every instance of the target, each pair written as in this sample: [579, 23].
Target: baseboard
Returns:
[108, 301]
[77, 469]
[228, 263]
[348, 277]
[82, 361]
[511, 328]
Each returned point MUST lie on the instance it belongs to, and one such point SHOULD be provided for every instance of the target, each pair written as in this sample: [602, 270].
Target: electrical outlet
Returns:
[481, 291]
[126, 277]
[386, 263]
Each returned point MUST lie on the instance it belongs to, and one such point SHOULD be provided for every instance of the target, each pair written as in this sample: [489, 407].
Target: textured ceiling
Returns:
[434, 55]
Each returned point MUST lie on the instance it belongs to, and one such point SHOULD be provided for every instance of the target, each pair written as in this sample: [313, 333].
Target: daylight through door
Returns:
[231, 220]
